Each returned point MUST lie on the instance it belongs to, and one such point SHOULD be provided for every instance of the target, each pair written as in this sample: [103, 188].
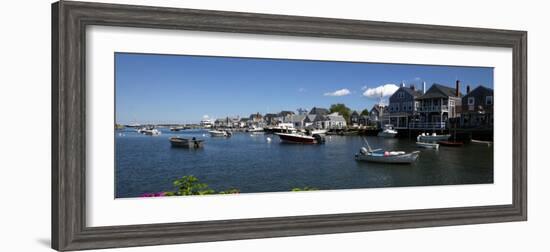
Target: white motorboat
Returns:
[319, 132]
[388, 131]
[281, 128]
[427, 145]
[151, 132]
[255, 130]
[219, 133]
[434, 137]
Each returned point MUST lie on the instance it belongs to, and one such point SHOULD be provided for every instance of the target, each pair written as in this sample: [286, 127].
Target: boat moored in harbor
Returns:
[255, 130]
[450, 143]
[192, 143]
[176, 128]
[281, 128]
[432, 138]
[149, 131]
[427, 145]
[300, 138]
[382, 156]
[219, 133]
[388, 131]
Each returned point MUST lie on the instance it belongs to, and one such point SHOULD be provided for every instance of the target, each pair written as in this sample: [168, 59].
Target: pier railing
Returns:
[434, 108]
[428, 125]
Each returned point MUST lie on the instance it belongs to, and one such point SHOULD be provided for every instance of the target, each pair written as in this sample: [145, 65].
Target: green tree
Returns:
[365, 112]
[342, 109]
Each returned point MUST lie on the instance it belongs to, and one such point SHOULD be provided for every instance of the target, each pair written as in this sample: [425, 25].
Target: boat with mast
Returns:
[388, 157]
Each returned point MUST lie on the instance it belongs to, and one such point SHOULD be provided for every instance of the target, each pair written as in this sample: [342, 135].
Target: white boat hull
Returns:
[215, 133]
[319, 132]
[387, 134]
[433, 138]
[427, 145]
[406, 158]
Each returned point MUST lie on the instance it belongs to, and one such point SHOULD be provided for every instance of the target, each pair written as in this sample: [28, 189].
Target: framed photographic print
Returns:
[177, 125]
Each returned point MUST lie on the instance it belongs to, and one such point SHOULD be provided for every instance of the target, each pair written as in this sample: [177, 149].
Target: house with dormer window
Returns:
[438, 105]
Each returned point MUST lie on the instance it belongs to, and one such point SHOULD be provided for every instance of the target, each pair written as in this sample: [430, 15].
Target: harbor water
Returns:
[251, 163]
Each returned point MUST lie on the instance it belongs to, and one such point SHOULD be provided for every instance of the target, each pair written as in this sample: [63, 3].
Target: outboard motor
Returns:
[319, 138]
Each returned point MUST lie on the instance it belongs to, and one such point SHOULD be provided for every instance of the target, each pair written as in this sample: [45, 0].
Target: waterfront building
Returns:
[256, 120]
[403, 106]
[245, 122]
[378, 115]
[335, 121]
[309, 121]
[285, 116]
[298, 121]
[364, 120]
[329, 121]
[354, 119]
[206, 123]
[437, 106]
[270, 119]
[477, 108]
[218, 123]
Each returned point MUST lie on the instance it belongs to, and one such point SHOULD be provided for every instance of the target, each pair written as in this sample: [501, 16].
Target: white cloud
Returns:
[341, 92]
[384, 90]
[205, 117]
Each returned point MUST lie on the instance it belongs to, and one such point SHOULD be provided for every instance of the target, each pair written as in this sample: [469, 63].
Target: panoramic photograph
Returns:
[201, 125]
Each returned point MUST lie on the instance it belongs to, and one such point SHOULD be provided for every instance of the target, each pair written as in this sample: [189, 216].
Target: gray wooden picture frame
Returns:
[69, 21]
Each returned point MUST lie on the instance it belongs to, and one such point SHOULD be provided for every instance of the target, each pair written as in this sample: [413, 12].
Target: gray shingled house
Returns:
[477, 108]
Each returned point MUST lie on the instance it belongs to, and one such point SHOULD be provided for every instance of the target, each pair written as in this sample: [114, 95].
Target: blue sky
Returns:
[153, 88]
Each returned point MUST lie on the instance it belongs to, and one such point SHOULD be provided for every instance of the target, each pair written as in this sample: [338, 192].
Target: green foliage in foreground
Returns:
[190, 185]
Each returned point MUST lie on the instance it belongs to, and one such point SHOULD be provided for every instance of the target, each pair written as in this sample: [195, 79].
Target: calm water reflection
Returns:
[252, 164]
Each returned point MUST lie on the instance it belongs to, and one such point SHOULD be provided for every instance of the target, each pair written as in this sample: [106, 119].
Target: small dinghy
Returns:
[192, 143]
[488, 143]
[389, 157]
[427, 145]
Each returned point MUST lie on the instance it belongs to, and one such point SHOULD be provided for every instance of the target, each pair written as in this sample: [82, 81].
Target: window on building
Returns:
[471, 100]
[489, 100]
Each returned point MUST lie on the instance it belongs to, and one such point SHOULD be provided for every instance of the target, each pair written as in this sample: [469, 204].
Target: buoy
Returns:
[268, 139]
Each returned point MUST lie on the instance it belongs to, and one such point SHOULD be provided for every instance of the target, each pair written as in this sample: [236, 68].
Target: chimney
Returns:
[423, 87]
[413, 87]
[467, 89]
[403, 84]
[457, 88]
